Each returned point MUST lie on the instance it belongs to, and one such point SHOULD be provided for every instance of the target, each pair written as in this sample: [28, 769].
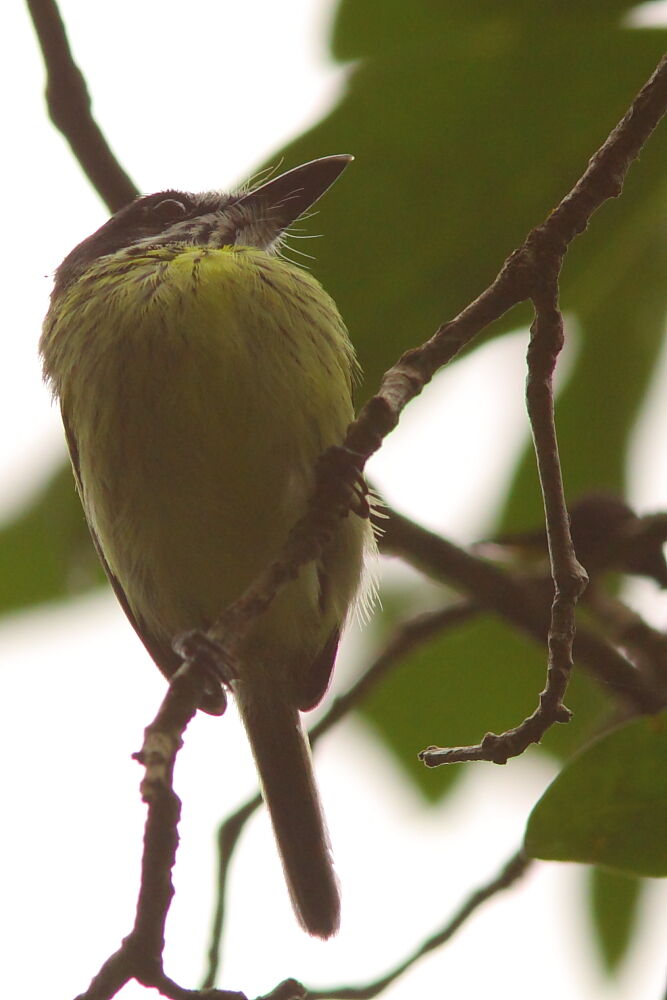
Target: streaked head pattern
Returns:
[255, 218]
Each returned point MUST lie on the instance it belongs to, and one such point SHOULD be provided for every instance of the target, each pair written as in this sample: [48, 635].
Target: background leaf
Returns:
[614, 905]
[608, 806]
[46, 552]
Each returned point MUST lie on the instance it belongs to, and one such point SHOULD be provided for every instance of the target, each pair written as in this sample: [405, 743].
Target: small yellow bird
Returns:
[200, 375]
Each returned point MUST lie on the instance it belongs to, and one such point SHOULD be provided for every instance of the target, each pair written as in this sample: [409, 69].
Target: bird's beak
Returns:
[283, 199]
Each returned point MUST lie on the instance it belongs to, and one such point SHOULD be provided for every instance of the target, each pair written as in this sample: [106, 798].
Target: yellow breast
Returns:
[201, 385]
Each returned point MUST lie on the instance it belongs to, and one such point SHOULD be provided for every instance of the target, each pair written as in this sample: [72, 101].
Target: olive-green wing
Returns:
[313, 686]
[162, 654]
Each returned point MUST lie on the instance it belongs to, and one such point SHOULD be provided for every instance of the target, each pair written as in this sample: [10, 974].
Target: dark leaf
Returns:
[608, 806]
[614, 904]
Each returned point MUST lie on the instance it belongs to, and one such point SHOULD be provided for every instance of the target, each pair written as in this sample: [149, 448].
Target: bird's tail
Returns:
[282, 755]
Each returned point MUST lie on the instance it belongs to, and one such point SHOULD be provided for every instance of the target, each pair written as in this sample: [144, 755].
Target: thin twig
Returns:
[229, 832]
[568, 574]
[510, 873]
[408, 636]
[70, 111]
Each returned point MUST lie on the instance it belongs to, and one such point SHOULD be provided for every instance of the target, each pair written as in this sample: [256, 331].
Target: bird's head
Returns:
[256, 218]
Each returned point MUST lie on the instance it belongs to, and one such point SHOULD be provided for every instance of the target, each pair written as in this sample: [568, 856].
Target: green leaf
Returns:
[609, 805]
[467, 130]
[46, 553]
[614, 904]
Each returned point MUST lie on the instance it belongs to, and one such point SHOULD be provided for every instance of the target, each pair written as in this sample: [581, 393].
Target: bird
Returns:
[200, 375]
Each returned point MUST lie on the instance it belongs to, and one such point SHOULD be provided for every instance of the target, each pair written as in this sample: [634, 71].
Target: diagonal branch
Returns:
[70, 111]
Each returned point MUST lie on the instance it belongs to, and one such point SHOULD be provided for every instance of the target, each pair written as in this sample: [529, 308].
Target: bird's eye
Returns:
[169, 210]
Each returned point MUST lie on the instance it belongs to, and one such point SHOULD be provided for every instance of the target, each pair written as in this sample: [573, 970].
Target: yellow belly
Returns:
[207, 383]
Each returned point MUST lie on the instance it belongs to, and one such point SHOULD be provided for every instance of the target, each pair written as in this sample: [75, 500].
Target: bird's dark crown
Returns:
[255, 217]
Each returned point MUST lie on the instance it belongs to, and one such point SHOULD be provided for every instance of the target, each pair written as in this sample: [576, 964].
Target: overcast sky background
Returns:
[77, 684]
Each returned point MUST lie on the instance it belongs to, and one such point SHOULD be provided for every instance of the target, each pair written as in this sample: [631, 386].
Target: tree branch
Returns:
[70, 111]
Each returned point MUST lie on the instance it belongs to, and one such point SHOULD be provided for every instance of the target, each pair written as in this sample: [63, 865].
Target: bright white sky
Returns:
[80, 686]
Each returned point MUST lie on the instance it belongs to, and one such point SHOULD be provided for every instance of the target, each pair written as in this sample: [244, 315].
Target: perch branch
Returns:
[140, 955]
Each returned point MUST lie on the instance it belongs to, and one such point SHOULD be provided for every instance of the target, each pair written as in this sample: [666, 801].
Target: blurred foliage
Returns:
[608, 806]
[614, 900]
[46, 552]
[468, 124]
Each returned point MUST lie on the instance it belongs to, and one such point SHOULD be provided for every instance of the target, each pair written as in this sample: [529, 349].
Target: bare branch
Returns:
[510, 873]
[228, 836]
[542, 255]
[529, 272]
[69, 107]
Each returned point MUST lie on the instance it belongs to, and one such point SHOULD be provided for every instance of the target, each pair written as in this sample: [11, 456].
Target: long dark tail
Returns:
[282, 756]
